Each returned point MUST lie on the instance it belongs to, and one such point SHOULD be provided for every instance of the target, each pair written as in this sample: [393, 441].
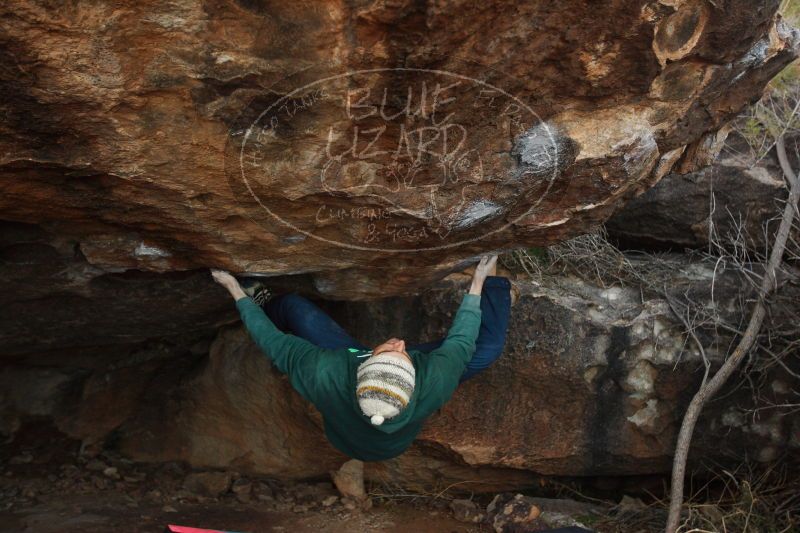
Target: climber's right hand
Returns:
[229, 282]
[223, 278]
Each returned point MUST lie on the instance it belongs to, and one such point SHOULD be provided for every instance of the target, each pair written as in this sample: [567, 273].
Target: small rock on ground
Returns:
[349, 480]
[466, 511]
[213, 484]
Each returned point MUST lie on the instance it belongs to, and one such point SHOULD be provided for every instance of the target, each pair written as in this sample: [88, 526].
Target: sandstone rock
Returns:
[349, 480]
[213, 484]
[563, 523]
[136, 150]
[629, 504]
[466, 511]
[53, 298]
[576, 322]
[509, 513]
[330, 500]
[588, 385]
[264, 491]
[265, 498]
[32, 391]
[734, 198]
[349, 504]
[241, 487]
[157, 142]
[313, 493]
[566, 506]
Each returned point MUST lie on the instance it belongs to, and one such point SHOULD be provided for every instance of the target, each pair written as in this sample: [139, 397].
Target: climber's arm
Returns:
[447, 363]
[451, 357]
[291, 355]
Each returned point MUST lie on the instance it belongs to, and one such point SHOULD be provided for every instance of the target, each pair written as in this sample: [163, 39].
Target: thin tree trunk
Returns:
[707, 390]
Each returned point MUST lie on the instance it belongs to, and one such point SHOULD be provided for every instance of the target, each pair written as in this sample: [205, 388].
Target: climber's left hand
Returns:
[487, 267]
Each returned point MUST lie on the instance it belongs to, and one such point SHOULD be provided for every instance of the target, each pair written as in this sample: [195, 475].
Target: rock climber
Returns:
[374, 401]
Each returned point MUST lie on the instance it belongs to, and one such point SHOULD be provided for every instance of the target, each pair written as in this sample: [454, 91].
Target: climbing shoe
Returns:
[256, 290]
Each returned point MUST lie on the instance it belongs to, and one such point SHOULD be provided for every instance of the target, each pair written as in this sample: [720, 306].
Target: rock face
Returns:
[54, 299]
[354, 151]
[592, 382]
[340, 140]
[732, 201]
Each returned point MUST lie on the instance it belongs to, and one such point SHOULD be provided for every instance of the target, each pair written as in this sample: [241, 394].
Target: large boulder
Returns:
[593, 381]
[53, 300]
[142, 143]
[736, 201]
[343, 139]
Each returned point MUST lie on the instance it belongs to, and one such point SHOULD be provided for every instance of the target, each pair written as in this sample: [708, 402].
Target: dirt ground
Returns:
[112, 511]
[50, 486]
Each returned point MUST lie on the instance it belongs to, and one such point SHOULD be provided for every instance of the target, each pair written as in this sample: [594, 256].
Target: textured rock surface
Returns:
[126, 127]
[124, 135]
[52, 298]
[592, 383]
[736, 199]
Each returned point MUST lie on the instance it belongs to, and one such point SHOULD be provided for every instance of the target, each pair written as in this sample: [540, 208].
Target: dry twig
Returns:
[768, 284]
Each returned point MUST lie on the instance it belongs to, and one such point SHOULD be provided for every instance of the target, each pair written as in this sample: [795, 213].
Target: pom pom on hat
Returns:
[384, 386]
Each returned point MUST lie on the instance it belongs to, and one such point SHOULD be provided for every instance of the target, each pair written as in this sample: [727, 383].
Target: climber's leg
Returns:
[495, 312]
[295, 314]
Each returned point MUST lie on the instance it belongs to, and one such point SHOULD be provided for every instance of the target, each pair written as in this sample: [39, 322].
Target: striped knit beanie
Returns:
[385, 384]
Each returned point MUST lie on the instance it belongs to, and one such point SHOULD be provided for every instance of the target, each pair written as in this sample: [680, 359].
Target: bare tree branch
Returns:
[708, 389]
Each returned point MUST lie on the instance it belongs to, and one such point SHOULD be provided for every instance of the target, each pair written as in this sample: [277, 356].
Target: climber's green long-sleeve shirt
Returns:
[327, 378]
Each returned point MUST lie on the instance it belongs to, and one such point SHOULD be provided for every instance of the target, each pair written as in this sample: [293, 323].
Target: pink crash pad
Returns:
[186, 529]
